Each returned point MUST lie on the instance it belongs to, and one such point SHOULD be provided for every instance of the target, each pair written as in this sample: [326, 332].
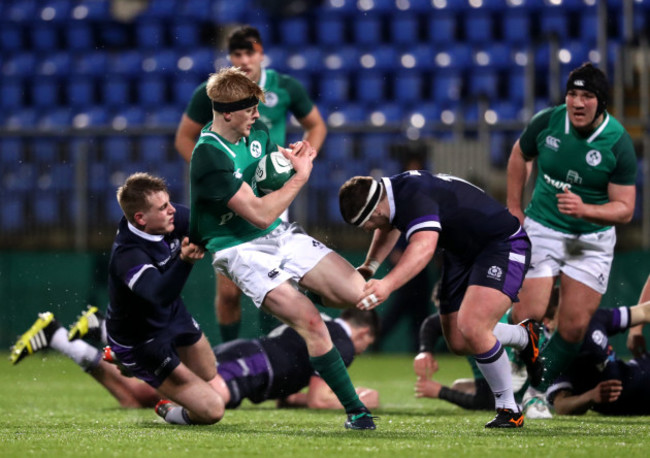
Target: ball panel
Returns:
[273, 170]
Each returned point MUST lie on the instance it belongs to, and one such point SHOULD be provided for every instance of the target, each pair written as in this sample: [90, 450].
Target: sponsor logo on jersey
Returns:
[559, 184]
[271, 99]
[593, 158]
[237, 174]
[256, 149]
[552, 143]
[599, 338]
[573, 177]
[273, 273]
[495, 273]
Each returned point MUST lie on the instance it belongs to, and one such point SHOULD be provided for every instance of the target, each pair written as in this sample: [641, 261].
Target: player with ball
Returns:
[265, 257]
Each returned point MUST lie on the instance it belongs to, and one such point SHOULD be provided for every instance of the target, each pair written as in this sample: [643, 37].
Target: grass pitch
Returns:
[49, 407]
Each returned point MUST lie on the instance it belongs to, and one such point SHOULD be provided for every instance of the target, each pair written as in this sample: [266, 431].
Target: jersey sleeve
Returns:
[528, 139]
[199, 108]
[625, 171]
[181, 220]
[422, 212]
[213, 174]
[270, 145]
[136, 270]
[300, 104]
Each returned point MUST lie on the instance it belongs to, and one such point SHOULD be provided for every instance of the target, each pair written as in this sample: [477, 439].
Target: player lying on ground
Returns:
[272, 367]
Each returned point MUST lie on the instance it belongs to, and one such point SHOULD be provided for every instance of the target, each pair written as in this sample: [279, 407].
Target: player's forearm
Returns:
[417, 255]
[382, 244]
[566, 404]
[272, 205]
[163, 288]
[516, 180]
[316, 136]
[464, 400]
[608, 214]
[430, 332]
[185, 146]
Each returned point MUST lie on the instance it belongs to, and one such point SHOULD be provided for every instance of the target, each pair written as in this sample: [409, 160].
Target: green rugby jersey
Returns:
[283, 94]
[584, 164]
[217, 170]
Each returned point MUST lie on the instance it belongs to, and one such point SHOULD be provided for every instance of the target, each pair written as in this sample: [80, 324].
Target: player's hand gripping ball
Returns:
[273, 170]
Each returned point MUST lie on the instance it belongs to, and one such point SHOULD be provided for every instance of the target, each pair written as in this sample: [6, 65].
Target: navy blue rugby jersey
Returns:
[286, 368]
[145, 280]
[465, 216]
[597, 362]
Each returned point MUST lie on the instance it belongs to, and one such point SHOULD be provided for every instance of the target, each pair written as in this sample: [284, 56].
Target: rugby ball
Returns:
[273, 170]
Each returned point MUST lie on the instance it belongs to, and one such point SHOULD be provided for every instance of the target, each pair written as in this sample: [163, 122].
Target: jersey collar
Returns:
[144, 235]
[592, 137]
[345, 326]
[262, 81]
[223, 142]
[388, 186]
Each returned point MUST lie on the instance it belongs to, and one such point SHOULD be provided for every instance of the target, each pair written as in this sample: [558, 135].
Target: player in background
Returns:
[635, 338]
[264, 256]
[585, 185]
[284, 96]
[275, 366]
[486, 254]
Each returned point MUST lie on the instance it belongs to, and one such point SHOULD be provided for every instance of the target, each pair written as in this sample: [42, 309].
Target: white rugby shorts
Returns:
[586, 258]
[259, 266]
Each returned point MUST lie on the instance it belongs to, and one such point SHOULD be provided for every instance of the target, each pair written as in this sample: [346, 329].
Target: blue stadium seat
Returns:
[80, 91]
[164, 115]
[161, 61]
[126, 63]
[308, 58]
[554, 20]
[151, 91]
[442, 28]
[330, 30]
[505, 110]
[150, 34]
[12, 151]
[62, 177]
[114, 35]
[56, 119]
[44, 36]
[12, 212]
[80, 36]
[385, 57]
[478, 27]
[115, 91]
[98, 177]
[153, 148]
[276, 57]
[516, 26]
[45, 92]
[11, 37]
[404, 29]
[343, 7]
[57, 63]
[117, 150]
[424, 56]
[589, 26]
[161, 9]
[183, 87]
[334, 87]
[389, 112]
[370, 85]
[367, 30]
[22, 178]
[91, 116]
[483, 83]
[20, 64]
[455, 56]
[12, 93]
[226, 11]
[429, 110]
[45, 151]
[21, 118]
[342, 58]
[22, 11]
[494, 55]
[129, 116]
[579, 53]
[407, 87]
[55, 11]
[185, 33]
[46, 208]
[516, 86]
[202, 61]
[91, 63]
[345, 113]
[94, 10]
[446, 86]
[294, 31]
[374, 149]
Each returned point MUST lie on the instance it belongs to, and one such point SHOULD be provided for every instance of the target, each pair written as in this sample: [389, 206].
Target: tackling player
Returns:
[486, 254]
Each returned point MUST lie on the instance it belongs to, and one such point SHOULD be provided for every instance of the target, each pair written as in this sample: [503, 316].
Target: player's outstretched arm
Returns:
[566, 403]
